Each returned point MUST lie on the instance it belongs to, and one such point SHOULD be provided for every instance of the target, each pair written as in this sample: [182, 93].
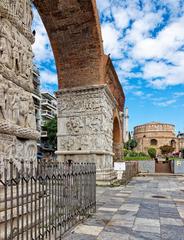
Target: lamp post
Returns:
[143, 143]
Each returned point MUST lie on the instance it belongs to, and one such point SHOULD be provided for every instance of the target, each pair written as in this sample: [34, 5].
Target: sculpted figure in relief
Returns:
[29, 14]
[5, 52]
[3, 97]
[15, 107]
[31, 121]
[73, 125]
[24, 110]
[9, 107]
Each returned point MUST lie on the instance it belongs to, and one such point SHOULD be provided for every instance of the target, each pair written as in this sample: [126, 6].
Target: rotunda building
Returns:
[155, 134]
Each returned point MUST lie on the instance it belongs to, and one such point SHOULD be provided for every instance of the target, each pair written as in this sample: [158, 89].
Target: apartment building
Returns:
[48, 110]
[37, 97]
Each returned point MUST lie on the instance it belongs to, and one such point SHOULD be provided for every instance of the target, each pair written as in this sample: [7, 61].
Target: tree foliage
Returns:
[166, 149]
[152, 152]
[51, 128]
[131, 144]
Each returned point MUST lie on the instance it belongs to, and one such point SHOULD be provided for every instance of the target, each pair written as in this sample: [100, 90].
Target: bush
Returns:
[137, 158]
[166, 149]
[152, 152]
[131, 144]
[132, 154]
[125, 152]
[142, 154]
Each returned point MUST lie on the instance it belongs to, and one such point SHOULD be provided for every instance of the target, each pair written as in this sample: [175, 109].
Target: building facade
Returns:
[37, 97]
[180, 138]
[155, 134]
[48, 112]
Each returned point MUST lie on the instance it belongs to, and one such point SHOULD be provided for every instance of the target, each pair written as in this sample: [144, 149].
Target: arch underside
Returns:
[117, 138]
[74, 31]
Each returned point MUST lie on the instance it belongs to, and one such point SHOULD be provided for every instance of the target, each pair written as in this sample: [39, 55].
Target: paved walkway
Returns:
[150, 208]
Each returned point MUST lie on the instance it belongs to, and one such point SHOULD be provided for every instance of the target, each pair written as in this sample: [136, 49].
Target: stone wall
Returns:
[146, 166]
[17, 114]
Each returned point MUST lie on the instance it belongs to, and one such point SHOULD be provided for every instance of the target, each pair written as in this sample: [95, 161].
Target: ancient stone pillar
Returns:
[17, 115]
[85, 126]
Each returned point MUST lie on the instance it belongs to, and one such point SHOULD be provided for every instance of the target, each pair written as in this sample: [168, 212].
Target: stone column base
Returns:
[105, 175]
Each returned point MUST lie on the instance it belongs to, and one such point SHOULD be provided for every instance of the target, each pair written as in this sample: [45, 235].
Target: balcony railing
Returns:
[48, 114]
[44, 134]
[48, 103]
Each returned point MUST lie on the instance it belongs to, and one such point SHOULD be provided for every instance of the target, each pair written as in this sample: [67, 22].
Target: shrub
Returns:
[125, 152]
[142, 154]
[131, 144]
[166, 149]
[152, 152]
[133, 154]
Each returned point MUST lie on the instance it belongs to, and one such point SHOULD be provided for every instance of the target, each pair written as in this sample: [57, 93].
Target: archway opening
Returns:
[154, 142]
[45, 83]
[173, 143]
[117, 142]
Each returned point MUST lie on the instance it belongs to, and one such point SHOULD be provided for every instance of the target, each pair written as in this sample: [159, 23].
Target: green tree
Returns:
[152, 152]
[166, 149]
[131, 144]
[51, 128]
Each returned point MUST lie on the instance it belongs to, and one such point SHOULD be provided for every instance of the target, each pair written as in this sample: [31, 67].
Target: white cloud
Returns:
[111, 40]
[48, 77]
[121, 17]
[178, 94]
[41, 48]
[103, 4]
[166, 103]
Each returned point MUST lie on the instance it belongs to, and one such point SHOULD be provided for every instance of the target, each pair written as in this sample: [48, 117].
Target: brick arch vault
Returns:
[89, 88]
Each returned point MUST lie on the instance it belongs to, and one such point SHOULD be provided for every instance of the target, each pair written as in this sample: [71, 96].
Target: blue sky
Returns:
[146, 41]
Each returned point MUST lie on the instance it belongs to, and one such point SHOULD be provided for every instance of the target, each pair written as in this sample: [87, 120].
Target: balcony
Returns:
[44, 134]
[48, 114]
[48, 103]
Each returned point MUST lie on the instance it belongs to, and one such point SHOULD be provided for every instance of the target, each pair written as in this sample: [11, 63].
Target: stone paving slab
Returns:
[148, 208]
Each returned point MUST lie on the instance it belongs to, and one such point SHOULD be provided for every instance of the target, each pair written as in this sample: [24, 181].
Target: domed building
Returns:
[155, 134]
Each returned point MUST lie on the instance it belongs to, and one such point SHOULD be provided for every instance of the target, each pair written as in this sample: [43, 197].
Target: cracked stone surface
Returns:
[132, 213]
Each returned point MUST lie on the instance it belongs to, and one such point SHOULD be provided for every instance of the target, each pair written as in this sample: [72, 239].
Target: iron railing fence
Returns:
[45, 202]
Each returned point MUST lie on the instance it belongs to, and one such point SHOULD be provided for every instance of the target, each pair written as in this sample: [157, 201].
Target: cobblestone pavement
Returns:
[150, 208]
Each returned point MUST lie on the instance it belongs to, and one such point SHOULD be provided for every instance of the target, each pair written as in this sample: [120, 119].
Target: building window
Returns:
[173, 143]
[154, 142]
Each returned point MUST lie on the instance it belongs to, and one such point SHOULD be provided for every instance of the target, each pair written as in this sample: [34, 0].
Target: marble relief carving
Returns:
[17, 114]
[86, 118]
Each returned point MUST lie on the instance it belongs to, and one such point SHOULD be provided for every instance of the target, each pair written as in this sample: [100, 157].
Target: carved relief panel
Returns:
[16, 105]
[12, 148]
[85, 120]
[15, 55]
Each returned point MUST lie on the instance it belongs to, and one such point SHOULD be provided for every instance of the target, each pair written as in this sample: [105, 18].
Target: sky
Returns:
[145, 39]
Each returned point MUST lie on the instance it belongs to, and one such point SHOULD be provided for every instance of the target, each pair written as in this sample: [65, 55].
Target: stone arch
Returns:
[154, 142]
[74, 31]
[89, 88]
[117, 138]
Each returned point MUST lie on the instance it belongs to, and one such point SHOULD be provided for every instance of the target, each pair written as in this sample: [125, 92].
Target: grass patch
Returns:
[176, 159]
[136, 158]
